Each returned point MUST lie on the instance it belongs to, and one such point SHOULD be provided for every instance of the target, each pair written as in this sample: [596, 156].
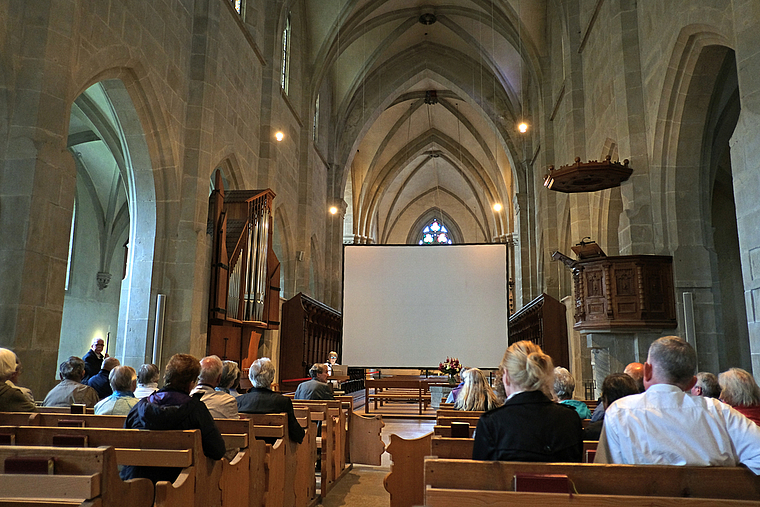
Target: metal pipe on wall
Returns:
[688, 319]
[158, 335]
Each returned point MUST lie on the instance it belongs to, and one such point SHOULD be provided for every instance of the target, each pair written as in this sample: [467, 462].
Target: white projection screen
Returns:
[411, 306]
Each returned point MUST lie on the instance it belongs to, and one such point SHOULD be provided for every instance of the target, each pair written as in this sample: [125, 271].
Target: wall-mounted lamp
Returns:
[522, 127]
[333, 210]
[497, 207]
[279, 136]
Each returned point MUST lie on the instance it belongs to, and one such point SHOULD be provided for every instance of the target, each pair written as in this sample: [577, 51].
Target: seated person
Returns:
[262, 400]
[71, 390]
[317, 388]
[666, 426]
[123, 380]
[230, 379]
[100, 381]
[172, 408]
[332, 360]
[12, 399]
[220, 404]
[740, 390]
[707, 385]
[476, 394]
[633, 370]
[614, 387]
[529, 426]
[564, 386]
[147, 380]
[13, 381]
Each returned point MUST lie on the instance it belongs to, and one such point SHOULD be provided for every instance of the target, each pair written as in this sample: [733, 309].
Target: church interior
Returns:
[372, 122]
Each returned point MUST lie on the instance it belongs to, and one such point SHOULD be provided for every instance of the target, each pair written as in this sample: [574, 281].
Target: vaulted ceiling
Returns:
[407, 154]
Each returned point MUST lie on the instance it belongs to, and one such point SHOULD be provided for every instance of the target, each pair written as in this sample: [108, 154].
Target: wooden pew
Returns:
[256, 482]
[82, 477]
[198, 484]
[306, 458]
[725, 483]
[280, 461]
[405, 481]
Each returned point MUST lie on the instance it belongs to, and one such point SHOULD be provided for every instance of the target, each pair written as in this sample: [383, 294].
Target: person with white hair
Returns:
[262, 400]
[123, 380]
[220, 404]
[93, 359]
[564, 387]
[12, 399]
[147, 380]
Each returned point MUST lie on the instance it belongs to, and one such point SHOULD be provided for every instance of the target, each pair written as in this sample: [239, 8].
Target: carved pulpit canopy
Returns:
[587, 176]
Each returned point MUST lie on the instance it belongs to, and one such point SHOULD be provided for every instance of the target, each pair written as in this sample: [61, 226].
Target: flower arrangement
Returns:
[450, 367]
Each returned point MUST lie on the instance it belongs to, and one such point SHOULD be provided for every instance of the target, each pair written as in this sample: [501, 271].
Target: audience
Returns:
[230, 379]
[614, 387]
[123, 380]
[100, 381]
[317, 388]
[172, 408]
[71, 390]
[93, 359]
[740, 390]
[707, 385]
[12, 399]
[476, 394]
[636, 372]
[13, 381]
[220, 404]
[564, 386]
[262, 400]
[666, 426]
[529, 426]
[147, 380]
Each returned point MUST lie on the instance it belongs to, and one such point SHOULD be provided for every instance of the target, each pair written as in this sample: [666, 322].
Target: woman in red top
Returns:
[739, 389]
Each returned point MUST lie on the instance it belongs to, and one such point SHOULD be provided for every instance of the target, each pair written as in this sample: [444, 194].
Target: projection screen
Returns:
[411, 306]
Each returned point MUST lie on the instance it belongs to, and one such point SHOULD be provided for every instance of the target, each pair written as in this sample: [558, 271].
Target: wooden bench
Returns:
[595, 483]
[87, 477]
[256, 456]
[198, 483]
[280, 461]
[401, 389]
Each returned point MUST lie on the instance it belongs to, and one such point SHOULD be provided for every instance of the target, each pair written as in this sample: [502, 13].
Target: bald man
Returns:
[100, 382]
[636, 370]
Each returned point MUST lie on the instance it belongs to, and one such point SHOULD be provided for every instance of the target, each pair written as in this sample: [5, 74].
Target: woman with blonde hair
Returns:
[529, 426]
[476, 394]
[739, 389]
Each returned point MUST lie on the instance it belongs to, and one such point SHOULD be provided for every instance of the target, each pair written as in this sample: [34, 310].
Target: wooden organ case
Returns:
[245, 273]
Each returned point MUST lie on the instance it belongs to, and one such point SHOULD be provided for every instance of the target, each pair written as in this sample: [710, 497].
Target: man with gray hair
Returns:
[220, 404]
[71, 390]
[317, 388]
[666, 426]
[262, 400]
[707, 385]
[123, 380]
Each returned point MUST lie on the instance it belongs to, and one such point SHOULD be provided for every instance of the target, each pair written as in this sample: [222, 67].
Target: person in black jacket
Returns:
[262, 400]
[172, 408]
[93, 359]
[100, 382]
[529, 426]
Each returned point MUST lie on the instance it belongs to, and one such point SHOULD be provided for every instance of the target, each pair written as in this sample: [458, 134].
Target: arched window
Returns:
[238, 5]
[285, 70]
[434, 233]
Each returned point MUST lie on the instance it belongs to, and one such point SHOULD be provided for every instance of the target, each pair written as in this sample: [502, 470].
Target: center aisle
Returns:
[363, 485]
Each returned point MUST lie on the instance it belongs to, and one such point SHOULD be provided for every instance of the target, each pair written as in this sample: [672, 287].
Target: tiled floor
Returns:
[363, 485]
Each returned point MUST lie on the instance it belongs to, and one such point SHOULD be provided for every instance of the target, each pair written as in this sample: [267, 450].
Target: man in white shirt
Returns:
[220, 404]
[666, 425]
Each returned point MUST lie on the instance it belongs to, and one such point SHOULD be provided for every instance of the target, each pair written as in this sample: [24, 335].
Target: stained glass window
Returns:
[435, 233]
[285, 69]
[238, 6]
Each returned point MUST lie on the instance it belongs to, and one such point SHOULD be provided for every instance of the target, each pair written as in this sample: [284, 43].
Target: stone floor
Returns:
[363, 485]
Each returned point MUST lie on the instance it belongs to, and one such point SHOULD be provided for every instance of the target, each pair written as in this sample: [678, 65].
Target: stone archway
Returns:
[115, 186]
